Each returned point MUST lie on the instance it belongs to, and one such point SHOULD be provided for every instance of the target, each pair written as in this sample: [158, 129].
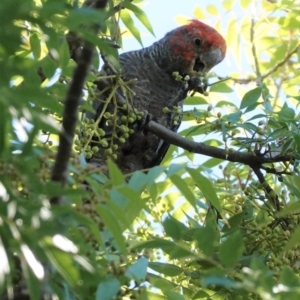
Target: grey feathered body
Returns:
[154, 90]
[187, 50]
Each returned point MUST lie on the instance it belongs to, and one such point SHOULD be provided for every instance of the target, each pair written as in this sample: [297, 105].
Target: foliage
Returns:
[188, 230]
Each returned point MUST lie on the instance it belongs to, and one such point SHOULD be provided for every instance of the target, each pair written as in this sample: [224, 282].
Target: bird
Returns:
[185, 51]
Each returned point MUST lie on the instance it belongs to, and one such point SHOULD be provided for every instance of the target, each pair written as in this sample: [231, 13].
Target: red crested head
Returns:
[210, 37]
[197, 46]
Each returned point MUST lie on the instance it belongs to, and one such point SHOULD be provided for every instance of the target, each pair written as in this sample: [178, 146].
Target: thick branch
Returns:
[200, 148]
[70, 114]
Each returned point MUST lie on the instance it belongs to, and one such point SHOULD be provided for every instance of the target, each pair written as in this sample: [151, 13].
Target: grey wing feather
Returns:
[154, 90]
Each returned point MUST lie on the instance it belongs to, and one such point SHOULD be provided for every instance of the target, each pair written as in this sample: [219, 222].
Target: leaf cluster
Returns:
[189, 229]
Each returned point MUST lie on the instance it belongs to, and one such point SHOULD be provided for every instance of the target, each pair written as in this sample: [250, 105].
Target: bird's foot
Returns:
[197, 84]
[146, 118]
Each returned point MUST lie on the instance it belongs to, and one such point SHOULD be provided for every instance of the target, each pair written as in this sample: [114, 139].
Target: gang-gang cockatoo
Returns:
[195, 47]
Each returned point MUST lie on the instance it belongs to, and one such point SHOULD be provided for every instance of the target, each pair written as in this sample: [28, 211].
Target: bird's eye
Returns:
[197, 41]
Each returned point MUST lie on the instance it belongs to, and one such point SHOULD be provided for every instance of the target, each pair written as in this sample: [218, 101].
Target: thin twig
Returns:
[115, 9]
[254, 53]
[107, 64]
[270, 194]
[276, 172]
[270, 72]
[281, 63]
[103, 83]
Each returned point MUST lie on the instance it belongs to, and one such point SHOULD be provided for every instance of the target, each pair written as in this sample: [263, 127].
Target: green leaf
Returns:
[297, 141]
[293, 183]
[212, 162]
[219, 281]
[206, 188]
[90, 224]
[85, 15]
[175, 251]
[155, 296]
[212, 9]
[128, 22]
[224, 103]
[35, 45]
[245, 3]
[234, 222]
[49, 66]
[228, 4]
[234, 117]
[174, 228]
[192, 131]
[27, 148]
[220, 87]
[213, 143]
[294, 240]
[172, 295]
[119, 215]
[160, 282]
[32, 282]
[138, 270]
[251, 98]
[63, 55]
[258, 116]
[115, 174]
[108, 289]
[231, 249]
[289, 278]
[206, 237]
[138, 180]
[179, 252]
[64, 264]
[129, 201]
[139, 14]
[112, 225]
[4, 120]
[195, 100]
[286, 113]
[154, 173]
[165, 268]
[5, 267]
[184, 189]
[193, 223]
[198, 13]
[201, 295]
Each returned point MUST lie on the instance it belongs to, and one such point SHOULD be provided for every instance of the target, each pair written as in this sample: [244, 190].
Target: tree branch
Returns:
[276, 172]
[254, 52]
[70, 114]
[281, 63]
[200, 148]
[270, 72]
[270, 194]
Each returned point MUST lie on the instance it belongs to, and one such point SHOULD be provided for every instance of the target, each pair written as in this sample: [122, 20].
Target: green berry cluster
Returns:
[88, 131]
[264, 240]
[117, 129]
[177, 111]
[177, 76]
